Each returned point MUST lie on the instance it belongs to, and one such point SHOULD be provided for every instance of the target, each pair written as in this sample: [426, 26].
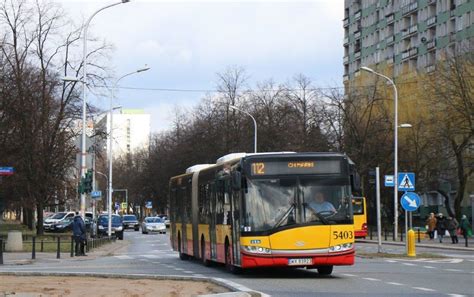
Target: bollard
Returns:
[401, 236]
[393, 235]
[33, 248]
[419, 236]
[1, 251]
[385, 234]
[411, 250]
[465, 243]
[370, 233]
[72, 246]
[87, 245]
[41, 246]
[58, 252]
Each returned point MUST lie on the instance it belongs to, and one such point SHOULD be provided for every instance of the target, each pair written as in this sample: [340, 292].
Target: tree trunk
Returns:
[39, 224]
[462, 179]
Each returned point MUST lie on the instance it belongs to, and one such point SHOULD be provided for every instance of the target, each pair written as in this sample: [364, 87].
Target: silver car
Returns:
[153, 224]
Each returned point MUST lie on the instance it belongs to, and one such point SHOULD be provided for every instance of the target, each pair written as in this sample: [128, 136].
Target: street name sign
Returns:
[410, 201]
[96, 194]
[148, 204]
[389, 181]
[406, 181]
[4, 171]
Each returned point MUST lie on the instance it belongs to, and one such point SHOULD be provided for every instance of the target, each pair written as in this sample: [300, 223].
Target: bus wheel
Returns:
[205, 261]
[182, 256]
[325, 270]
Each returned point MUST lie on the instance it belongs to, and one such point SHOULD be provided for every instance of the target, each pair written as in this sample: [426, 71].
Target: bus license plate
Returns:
[300, 261]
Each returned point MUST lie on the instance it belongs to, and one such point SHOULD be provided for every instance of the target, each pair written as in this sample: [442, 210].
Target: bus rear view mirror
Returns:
[355, 180]
[236, 180]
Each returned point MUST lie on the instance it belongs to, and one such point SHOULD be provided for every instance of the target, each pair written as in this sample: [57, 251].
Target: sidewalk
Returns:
[426, 243]
[24, 258]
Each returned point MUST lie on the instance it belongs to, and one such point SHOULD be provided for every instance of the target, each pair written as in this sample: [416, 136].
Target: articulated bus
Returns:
[266, 209]
[359, 209]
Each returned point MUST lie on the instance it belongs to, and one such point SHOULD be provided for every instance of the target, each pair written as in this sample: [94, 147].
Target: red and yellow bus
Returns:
[360, 216]
[261, 210]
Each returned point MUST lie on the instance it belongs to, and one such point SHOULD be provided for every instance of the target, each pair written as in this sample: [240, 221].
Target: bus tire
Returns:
[325, 270]
[205, 261]
[182, 256]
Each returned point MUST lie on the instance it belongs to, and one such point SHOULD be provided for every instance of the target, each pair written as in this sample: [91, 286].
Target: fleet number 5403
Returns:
[343, 234]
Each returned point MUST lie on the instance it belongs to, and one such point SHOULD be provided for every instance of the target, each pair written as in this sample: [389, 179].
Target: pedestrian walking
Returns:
[452, 225]
[431, 225]
[79, 233]
[465, 227]
[441, 226]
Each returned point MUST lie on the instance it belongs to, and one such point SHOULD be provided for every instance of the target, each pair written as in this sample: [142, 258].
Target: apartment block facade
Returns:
[405, 35]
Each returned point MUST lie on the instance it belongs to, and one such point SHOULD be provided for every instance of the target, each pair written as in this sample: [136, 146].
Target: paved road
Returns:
[151, 254]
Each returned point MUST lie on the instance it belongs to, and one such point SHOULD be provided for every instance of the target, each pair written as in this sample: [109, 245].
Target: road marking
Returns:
[198, 275]
[429, 267]
[394, 283]
[409, 264]
[152, 256]
[178, 268]
[454, 270]
[424, 289]
[391, 261]
[371, 279]
[347, 274]
[187, 271]
[456, 295]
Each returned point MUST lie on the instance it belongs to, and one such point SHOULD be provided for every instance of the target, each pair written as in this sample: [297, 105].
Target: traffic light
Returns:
[88, 181]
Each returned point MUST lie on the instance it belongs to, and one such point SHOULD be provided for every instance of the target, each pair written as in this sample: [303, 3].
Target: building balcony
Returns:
[407, 9]
[431, 21]
[431, 2]
[346, 41]
[357, 55]
[390, 60]
[430, 68]
[357, 34]
[410, 31]
[390, 18]
[345, 22]
[345, 60]
[431, 44]
[357, 15]
[409, 53]
[345, 77]
[452, 37]
[390, 39]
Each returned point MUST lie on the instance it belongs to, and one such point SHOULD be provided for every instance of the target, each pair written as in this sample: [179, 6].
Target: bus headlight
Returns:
[256, 249]
[340, 247]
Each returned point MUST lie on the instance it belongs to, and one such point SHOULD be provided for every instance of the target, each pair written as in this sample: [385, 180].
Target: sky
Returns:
[187, 42]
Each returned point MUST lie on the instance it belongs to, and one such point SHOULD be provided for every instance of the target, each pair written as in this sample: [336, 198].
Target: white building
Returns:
[131, 131]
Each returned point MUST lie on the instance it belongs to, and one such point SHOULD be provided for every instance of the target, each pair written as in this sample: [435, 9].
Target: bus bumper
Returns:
[250, 261]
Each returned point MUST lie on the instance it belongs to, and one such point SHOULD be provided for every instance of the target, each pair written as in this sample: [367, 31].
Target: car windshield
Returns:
[105, 219]
[153, 220]
[58, 216]
[274, 203]
[129, 218]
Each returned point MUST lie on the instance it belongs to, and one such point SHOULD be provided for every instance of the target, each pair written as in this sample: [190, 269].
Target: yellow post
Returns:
[411, 250]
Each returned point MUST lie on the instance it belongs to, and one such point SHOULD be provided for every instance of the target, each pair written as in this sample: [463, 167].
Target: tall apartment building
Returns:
[131, 131]
[405, 35]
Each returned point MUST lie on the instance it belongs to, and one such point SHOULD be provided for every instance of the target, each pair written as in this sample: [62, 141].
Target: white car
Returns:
[153, 224]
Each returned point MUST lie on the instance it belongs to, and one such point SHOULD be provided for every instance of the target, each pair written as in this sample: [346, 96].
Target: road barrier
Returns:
[33, 248]
[58, 255]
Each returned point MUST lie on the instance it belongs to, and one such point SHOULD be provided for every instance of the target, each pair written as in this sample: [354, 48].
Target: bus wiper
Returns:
[318, 215]
[287, 213]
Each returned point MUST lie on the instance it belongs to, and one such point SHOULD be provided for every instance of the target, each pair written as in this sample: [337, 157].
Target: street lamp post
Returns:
[254, 124]
[395, 161]
[84, 98]
[110, 142]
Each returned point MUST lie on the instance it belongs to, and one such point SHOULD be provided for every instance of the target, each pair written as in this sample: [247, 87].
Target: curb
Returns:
[419, 245]
[237, 290]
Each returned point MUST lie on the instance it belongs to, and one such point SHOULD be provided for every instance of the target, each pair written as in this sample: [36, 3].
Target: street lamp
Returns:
[84, 100]
[254, 124]
[395, 162]
[110, 135]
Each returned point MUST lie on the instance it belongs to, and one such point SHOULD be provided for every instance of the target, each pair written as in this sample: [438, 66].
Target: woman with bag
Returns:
[452, 225]
[431, 225]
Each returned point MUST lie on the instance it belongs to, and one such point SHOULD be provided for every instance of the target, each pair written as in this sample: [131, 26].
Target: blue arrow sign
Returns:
[406, 181]
[410, 201]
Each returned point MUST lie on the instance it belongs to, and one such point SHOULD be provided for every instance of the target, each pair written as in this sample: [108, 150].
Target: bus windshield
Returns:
[275, 203]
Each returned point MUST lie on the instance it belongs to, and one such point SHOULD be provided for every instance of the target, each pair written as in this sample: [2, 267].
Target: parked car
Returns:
[64, 225]
[165, 219]
[131, 222]
[153, 224]
[103, 226]
[55, 219]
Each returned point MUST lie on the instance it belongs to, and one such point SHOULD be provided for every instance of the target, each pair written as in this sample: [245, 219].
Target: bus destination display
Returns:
[296, 167]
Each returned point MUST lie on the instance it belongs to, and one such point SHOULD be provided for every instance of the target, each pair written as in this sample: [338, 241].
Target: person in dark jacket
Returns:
[79, 233]
[441, 226]
[452, 226]
[465, 227]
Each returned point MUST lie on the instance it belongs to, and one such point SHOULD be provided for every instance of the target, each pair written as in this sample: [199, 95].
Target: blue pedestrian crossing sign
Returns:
[410, 201]
[406, 181]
